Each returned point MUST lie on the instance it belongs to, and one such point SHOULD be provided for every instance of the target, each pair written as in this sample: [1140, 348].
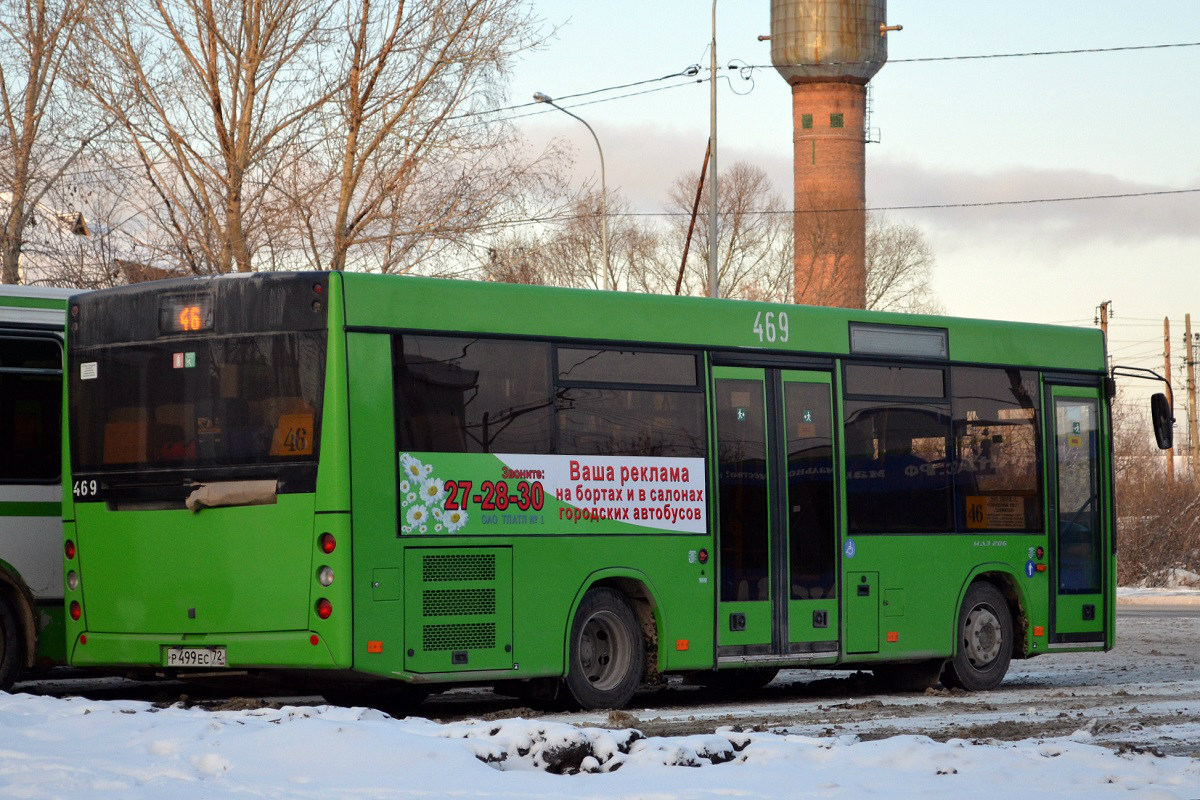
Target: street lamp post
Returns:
[539, 97]
[712, 163]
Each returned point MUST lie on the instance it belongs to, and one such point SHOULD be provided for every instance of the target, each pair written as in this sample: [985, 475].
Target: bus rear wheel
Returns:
[606, 653]
[12, 650]
[985, 641]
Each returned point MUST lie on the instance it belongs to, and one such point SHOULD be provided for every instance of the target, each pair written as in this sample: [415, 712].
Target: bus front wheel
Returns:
[12, 650]
[985, 641]
[606, 652]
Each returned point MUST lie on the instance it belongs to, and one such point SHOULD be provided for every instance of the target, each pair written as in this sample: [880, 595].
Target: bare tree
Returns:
[408, 166]
[756, 256]
[753, 228]
[41, 135]
[1158, 522]
[570, 254]
[899, 261]
[105, 246]
[213, 96]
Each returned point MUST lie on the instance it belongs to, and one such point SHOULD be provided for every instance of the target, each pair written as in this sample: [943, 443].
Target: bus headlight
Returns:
[325, 576]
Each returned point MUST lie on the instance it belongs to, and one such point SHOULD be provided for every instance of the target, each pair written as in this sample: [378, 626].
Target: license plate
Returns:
[195, 656]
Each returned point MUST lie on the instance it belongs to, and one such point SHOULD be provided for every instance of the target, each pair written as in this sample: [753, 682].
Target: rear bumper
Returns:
[286, 650]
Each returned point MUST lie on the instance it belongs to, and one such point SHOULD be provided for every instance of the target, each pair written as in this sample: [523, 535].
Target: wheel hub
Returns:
[603, 650]
[982, 638]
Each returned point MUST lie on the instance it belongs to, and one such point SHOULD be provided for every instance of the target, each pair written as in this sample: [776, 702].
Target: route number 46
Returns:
[771, 327]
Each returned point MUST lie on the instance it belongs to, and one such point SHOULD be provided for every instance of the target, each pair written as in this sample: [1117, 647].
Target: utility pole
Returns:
[1170, 394]
[1191, 388]
[1105, 309]
[1102, 318]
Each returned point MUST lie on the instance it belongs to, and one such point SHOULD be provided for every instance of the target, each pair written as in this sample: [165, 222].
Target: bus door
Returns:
[1079, 547]
[777, 593]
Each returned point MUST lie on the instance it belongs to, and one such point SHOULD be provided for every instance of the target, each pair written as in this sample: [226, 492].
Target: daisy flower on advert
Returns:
[416, 517]
[433, 491]
[454, 520]
[412, 468]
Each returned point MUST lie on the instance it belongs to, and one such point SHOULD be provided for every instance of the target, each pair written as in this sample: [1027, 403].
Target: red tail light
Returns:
[324, 608]
[327, 543]
[69, 549]
[76, 610]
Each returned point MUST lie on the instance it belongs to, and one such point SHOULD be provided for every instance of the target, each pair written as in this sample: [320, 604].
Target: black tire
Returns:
[735, 681]
[12, 644]
[606, 651]
[911, 677]
[984, 641]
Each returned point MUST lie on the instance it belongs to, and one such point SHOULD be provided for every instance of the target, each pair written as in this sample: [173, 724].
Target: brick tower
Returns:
[828, 50]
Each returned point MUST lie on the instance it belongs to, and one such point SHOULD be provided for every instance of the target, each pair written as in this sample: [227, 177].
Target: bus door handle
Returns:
[864, 590]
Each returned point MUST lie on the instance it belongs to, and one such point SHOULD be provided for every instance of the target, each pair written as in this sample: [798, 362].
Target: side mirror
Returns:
[1163, 420]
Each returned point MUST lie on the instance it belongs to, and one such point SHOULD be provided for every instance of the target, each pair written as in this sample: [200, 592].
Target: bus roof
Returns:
[417, 303]
[42, 306]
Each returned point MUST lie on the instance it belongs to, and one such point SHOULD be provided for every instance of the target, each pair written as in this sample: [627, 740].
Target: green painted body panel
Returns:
[386, 301]
[33, 302]
[17, 509]
[800, 620]
[758, 623]
[250, 572]
[460, 603]
[52, 643]
[861, 591]
[288, 650]
[227, 570]
[931, 574]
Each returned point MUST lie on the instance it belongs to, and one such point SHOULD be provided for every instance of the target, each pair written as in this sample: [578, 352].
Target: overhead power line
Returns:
[569, 217]
[695, 69]
[983, 56]
[688, 72]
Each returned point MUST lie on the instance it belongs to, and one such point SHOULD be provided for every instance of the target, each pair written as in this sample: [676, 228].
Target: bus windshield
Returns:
[198, 402]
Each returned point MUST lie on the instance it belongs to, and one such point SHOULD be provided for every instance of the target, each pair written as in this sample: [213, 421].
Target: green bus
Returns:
[389, 484]
[31, 590]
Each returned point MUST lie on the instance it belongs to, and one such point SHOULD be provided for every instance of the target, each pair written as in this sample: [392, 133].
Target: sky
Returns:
[959, 131]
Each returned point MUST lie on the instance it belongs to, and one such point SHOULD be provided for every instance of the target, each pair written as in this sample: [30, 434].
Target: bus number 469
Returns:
[771, 327]
[85, 488]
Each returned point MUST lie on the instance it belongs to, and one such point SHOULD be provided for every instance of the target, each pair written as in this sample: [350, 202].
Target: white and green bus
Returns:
[31, 582]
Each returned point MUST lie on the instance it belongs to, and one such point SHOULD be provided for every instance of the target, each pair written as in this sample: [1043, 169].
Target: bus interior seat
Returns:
[130, 442]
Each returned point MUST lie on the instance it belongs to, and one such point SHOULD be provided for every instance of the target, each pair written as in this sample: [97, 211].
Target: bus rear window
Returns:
[220, 401]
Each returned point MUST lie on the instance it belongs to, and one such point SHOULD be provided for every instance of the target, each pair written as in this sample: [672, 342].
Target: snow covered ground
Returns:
[1086, 725]
[1173, 596]
[75, 748]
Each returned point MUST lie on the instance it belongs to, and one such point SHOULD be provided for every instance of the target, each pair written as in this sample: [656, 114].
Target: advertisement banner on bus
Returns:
[502, 493]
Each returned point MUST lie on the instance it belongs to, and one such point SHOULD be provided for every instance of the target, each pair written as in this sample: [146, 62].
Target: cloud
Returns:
[1055, 224]
[643, 161]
